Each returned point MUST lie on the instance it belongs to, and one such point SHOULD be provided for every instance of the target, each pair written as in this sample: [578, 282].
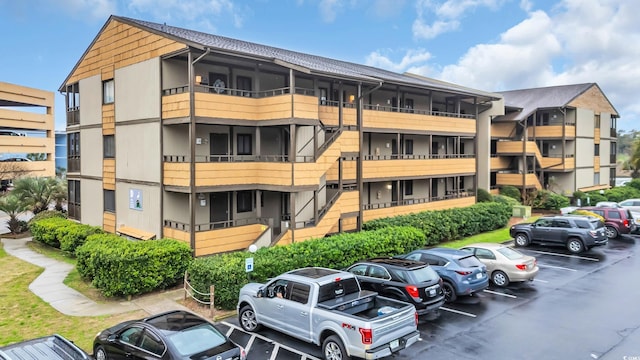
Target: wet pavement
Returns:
[579, 307]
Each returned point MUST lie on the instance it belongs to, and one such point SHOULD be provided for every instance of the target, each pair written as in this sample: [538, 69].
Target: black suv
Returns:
[575, 232]
[412, 281]
[617, 220]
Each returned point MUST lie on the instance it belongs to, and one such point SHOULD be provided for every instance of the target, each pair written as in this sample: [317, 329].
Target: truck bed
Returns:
[363, 304]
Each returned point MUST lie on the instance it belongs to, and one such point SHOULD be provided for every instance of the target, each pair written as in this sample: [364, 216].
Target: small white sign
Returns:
[248, 264]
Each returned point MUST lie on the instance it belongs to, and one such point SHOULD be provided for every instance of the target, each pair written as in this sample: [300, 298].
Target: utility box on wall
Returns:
[521, 211]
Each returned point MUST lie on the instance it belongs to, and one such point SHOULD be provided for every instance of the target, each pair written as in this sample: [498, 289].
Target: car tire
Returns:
[333, 349]
[449, 292]
[521, 240]
[100, 354]
[499, 278]
[611, 232]
[248, 320]
[575, 246]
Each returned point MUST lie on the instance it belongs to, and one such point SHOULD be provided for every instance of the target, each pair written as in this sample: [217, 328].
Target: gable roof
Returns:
[303, 62]
[528, 101]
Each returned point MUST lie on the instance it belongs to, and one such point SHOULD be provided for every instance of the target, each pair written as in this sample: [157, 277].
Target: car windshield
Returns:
[469, 261]
[423, 274]
[509, 253]
[197, 339]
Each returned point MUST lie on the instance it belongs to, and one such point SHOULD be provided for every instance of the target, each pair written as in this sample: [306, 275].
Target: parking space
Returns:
[464, 318]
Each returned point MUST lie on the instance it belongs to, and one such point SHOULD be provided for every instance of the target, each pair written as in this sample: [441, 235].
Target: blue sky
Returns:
[489, 45]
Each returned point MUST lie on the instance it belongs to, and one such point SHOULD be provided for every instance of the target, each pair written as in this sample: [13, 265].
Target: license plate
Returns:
[479, 276]
[432, 292]
[394, 344]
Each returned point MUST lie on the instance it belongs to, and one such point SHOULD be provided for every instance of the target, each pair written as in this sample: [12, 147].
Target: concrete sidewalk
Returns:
[49, 287]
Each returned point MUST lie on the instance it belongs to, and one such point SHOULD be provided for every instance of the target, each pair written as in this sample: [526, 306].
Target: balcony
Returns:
[380, 167]
[500, 163]
[73, 116]
[457, 199]
[518, 180]
[552, 131]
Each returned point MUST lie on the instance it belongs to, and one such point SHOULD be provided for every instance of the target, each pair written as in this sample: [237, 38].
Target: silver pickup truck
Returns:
[54, 347]
[328, 308]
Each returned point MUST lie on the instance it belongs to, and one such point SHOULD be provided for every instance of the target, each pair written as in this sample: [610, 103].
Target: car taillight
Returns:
[593, 233]
[415, 315]
[461, 272]
[412, 290]
[522, 266]
[367, 336]
[625, 222]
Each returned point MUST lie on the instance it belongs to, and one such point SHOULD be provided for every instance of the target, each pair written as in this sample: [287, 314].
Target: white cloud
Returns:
[95, 9]
[413, 59]
[329, 9]
[436, 17]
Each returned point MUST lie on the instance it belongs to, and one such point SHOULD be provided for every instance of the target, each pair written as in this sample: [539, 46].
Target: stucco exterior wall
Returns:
[91, 101]
[92, 202]
[91, 152]
[136, 91]
[140, 212]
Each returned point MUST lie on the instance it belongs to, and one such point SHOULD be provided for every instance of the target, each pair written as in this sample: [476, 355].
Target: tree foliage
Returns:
[39, 192]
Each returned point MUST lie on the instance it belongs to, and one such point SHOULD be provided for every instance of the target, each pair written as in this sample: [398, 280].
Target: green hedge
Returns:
[227, 273]
[550, 201]
[46, 230]
[450, 224]
[73, 236]
[121, 267]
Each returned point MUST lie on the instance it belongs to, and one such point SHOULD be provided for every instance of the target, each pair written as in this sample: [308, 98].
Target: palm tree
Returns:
[37, 156]
[13, 207]
[634, 161]
[36, 192]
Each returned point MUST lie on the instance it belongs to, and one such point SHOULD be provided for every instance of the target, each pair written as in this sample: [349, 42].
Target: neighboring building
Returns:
[562, 138]
[26, 132]
[61, 152]
[223, 143]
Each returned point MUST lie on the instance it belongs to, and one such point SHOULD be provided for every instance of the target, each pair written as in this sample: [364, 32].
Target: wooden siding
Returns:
[108, 119]
[176, 234]
[27, 144]
[229, 239]
[516, 180]
[175, 106]
[596, 164]
[176, 174]
[348, 201]
[551, 131]
[559, 164]
[394, 120]
[30, 168]
[500, 163]
[329, 115]
[109, 222]
[416, 208]
[348, 171]
[596, 136]
[25, 120]
[378, 169]
[503, 130]
[595, 100]
[109, 174]
[26, 95]
[120, 45]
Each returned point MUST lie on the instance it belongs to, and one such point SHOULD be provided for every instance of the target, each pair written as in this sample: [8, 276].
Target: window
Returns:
[378, 272]
[109, 146]
[243, 83]
[408, 187]
[73, 152]
[109, 200]
[596, 150]
[300, 292]
[108, 91]
[596, 121]
[151, 344]
[614, 215]
[244, 144]
[73, 188]
[244, 201]
[596, 178]
[485, 254]
[408, 147]
[131, 336]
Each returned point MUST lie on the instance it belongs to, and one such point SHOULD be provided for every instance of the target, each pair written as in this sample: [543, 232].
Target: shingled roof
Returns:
[309, 63]
[529, 100]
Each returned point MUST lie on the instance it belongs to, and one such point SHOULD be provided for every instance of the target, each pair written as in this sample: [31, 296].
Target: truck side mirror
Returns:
[260, 293]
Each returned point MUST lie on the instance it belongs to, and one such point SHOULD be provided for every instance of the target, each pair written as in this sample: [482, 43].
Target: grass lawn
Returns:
[23, 315]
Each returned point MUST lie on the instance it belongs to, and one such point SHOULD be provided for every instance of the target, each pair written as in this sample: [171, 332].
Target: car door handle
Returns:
[280, 306]
[303, 313]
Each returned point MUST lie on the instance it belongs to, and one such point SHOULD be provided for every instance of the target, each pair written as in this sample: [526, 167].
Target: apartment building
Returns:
[561, 138]
[26, 132]
[223, 143]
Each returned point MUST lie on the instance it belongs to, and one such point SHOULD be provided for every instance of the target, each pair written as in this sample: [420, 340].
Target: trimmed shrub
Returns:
[45, 230]
[506, 200]
[73, 236]
[579, 195]
[46, 215]
[550, 201]
[621, 193]
[512, 192]
[484, 196]
[121, 267]
[594, 197]
[635, 183]
[226, 271]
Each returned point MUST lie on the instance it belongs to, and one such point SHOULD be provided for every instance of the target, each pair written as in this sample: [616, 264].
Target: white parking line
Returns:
[556, 267]
[565, 255]
[276, 344]
[250, 343]
[274, 353]
[501, 294]
[542, 281]
[458, 311]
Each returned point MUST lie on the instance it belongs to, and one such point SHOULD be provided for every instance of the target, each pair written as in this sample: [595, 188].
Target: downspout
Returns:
[192, 150]
[359, 121]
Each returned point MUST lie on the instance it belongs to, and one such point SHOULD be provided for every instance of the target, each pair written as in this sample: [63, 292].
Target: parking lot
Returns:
[578, 307]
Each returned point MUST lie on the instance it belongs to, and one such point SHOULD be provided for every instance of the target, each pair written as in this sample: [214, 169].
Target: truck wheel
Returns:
[248, 319]
[521, 240]
[575, 246]
[449, 292]
[333, 349]
[100, 354]
[611, 232]
[500, 278]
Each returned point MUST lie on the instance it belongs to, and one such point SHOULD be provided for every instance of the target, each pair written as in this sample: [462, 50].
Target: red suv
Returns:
[617, 220]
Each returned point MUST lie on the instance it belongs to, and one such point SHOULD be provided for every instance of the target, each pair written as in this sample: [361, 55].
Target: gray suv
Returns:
[577, 233]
